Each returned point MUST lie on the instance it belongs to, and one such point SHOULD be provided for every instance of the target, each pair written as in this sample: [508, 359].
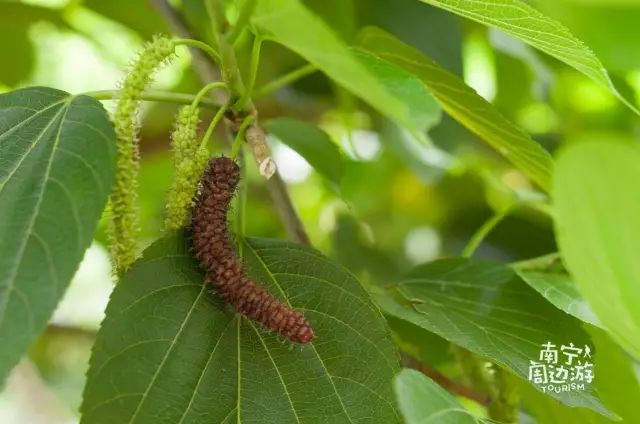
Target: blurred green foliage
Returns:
[388, 192]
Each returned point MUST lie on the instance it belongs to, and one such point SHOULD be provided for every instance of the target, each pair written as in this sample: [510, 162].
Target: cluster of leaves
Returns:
[169, 351]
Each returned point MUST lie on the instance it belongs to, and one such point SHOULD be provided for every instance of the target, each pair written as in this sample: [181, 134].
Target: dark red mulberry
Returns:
[214, 249]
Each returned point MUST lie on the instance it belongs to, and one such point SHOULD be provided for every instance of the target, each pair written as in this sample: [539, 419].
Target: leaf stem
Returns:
[216, 16]
[445, 382]
[154, 95]
[243, 19]
[205, 90]
[253, 72]
[482, 232]
[240, 135]
[201, 45]
[228, 63]
[212, 126]
[286, 79]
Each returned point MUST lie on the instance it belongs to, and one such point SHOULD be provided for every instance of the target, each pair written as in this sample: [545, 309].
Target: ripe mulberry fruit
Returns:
[213, 248]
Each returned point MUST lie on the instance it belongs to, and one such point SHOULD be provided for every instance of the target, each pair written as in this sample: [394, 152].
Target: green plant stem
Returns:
[205, 90]
[239, 140]
[253, 72]
[540, 262]
[286, 79]
[216, 16]
[482, 232]
[201, 45]
[212, 126]
[243, 19]
[228, 63]
[155, 95]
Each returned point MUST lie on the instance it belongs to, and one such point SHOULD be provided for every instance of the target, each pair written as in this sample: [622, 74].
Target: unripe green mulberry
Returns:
[123, 223]
[189, 159]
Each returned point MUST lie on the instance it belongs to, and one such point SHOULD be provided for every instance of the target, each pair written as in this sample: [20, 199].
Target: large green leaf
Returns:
[561, 291]
[421, 400]
[57, 166]
[488, 309]
[341, 15]
[170, 351]
[465, 105]
[597, 211]
[526, 23]
[312, 143]
[424, 109]
[291, 24]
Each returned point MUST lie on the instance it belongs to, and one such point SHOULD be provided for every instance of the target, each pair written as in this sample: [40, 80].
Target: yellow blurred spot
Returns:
[538, 118]
[586, 96]
[515, 180]
[407, 192]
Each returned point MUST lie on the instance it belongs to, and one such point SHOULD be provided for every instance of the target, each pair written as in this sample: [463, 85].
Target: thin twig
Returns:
[71, 330]
[445, 382]
[292, 223]
[207, 71]
[256, 138]
[278, 189]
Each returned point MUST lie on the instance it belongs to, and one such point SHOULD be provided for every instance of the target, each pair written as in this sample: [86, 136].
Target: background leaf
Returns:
[488, 309]
[597, 210]
[421, 400]
[312, 143]
[169, 351]
[15, 44]
[423, 109]
[291, 24]
[463, 104]
[561, 291]
[607, 28]
[57, 166]
[526, 23]
[140, 16]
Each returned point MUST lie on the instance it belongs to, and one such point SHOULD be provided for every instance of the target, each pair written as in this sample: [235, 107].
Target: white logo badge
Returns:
[562, 370]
